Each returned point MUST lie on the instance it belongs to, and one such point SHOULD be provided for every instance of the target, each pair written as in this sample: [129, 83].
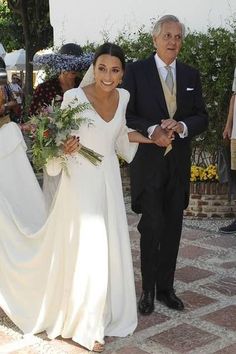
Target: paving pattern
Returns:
[205, 281]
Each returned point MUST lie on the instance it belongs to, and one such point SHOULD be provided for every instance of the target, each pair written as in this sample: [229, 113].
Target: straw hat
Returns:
[70, 57]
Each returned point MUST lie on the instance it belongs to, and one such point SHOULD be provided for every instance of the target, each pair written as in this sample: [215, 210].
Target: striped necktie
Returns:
[169, 79]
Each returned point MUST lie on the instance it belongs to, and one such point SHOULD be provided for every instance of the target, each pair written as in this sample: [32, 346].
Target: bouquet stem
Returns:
[94, 157]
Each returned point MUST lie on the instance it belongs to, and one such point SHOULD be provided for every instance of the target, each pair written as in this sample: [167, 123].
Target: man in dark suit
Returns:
[165, 104]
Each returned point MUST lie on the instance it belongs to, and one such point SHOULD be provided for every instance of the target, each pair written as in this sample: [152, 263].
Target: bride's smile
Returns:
[108, 72]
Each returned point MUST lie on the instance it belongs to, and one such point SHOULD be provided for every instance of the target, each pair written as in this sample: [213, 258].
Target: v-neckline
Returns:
[105, 121]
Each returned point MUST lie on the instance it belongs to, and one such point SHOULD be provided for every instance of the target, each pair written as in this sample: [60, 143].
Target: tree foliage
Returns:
[137, 45]
[214, 54]
[35, 21]
[11, 32]
[34, 18]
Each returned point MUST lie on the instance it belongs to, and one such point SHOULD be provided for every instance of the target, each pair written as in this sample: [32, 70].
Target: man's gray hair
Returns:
[167, 18]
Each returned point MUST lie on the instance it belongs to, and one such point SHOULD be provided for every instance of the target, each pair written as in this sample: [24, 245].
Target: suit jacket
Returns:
[147, 107]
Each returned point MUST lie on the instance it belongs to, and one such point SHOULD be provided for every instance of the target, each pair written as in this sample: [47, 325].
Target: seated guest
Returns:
[8, 103]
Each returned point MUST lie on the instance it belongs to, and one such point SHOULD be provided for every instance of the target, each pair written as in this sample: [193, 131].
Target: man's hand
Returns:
[171, 124]
[162, 137]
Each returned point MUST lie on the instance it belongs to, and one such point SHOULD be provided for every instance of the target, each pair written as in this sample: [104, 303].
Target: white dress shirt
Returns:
[161, 67]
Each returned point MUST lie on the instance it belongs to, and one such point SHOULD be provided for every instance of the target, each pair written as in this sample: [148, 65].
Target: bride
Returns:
[70, 273]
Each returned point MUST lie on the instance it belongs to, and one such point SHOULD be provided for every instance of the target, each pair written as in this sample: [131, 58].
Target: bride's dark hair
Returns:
[111, 49]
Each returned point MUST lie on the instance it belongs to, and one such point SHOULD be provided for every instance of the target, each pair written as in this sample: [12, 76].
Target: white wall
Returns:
[85, 20]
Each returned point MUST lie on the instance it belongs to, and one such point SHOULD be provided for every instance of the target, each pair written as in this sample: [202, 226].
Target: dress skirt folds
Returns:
[69, 272]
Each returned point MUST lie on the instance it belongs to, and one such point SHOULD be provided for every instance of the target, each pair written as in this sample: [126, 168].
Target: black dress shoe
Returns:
[169, 299]
[146, 302]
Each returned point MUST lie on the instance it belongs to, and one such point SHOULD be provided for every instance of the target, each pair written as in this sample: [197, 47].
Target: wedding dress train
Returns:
[69, 273]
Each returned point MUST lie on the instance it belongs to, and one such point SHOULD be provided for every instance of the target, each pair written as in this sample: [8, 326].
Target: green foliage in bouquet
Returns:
[52, 127]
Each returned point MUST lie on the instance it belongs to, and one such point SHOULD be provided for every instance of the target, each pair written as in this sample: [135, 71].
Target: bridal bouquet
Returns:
[51, 128]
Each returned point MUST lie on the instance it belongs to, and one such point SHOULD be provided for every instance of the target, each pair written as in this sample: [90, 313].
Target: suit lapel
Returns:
[155, 83]
[180, 84]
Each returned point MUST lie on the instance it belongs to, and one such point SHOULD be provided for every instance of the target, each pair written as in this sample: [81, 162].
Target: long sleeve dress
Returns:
[73, 277]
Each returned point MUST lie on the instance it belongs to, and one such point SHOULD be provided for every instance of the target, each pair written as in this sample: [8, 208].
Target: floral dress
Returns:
[45, 93]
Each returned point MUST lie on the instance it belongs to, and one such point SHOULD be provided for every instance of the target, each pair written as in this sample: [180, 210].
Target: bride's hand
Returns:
[71, 145]
[136, 137]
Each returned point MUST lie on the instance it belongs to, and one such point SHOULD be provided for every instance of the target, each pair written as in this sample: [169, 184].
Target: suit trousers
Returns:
[160, 226]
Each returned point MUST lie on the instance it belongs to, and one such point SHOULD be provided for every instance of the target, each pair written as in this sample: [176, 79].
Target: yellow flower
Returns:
[199, 173]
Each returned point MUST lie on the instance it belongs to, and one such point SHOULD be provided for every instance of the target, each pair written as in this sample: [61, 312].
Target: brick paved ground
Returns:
[205, 280]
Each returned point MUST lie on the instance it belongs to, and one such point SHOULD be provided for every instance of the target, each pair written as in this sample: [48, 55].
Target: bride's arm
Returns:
[136, 137]
[69, 98]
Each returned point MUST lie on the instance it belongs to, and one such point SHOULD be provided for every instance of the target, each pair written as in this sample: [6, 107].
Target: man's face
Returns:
[168, 43]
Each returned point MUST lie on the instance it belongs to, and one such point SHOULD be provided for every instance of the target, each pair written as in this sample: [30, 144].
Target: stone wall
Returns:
[207, 199]
[210, 200]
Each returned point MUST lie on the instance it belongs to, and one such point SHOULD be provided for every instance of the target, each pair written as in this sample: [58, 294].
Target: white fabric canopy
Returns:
[2, 51]
[15, 60]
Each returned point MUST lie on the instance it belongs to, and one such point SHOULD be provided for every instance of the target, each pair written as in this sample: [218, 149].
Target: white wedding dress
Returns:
[73, 276]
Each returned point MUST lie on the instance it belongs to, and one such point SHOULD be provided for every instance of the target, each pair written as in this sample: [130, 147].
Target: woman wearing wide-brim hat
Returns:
[65, 68]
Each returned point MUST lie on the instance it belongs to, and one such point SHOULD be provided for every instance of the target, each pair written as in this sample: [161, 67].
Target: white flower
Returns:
[58, 98]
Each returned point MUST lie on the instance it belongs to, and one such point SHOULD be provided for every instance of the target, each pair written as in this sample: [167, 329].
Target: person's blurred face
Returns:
[108, 72]
[168, 43]
[70, 74]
